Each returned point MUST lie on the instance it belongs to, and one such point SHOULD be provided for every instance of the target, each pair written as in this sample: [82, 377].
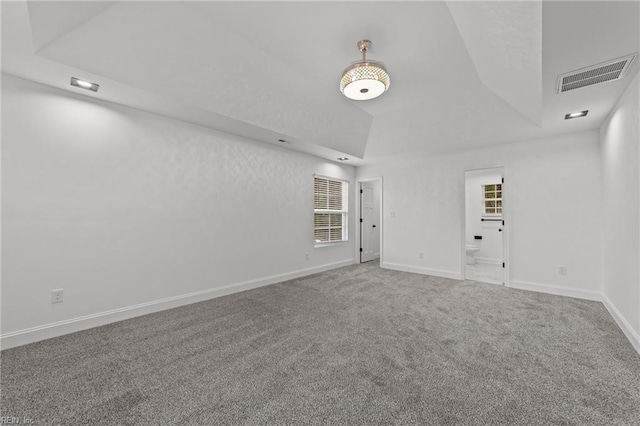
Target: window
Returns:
[329, 210]
[492, 200]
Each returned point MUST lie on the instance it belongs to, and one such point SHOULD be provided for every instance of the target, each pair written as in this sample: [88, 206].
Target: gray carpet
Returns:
[357, 345]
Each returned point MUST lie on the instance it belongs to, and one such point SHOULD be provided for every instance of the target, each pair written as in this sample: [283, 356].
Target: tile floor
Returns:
[485, 272]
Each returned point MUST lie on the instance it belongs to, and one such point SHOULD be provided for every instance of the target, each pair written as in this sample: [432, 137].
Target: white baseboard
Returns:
[47, 331]
[489, 260]
[624, 325]
[557, 290]
[421, 270]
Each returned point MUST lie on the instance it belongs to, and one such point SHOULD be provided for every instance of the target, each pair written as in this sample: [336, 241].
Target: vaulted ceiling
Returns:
[463, 74]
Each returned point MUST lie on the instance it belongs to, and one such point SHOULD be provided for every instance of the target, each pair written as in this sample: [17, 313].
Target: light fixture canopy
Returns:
[365, 79]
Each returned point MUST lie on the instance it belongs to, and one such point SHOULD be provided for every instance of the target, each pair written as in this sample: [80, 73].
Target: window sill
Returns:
[330, 244]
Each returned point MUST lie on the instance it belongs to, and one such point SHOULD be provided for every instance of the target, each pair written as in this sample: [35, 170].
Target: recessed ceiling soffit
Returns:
[504, 40]
[52, 19]
[180, 54]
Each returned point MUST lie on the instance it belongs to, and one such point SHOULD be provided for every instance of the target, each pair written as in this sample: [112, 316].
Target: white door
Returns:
[369, 226]
[504, 236]
[484, 226]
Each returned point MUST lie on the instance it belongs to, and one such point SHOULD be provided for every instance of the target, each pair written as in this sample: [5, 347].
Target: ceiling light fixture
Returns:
[343, 158]
[365, 79]
[83, 84]
[576, 114]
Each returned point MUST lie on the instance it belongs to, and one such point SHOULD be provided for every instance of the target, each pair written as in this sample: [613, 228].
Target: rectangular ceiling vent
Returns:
[595, 74]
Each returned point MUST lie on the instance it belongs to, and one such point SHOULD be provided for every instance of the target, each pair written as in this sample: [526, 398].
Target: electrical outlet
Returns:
[562, 270]
[306, 256]
[420, 255]
[57, 296]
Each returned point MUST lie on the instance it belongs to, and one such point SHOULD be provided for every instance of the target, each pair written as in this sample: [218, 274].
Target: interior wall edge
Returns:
[60, 328]
[421, 270]
[557, 290]
[624, 325]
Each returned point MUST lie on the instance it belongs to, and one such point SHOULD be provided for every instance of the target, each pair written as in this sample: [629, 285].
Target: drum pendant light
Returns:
[365, 79]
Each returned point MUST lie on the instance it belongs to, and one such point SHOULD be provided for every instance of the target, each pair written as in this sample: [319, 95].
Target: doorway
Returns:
[484, 226]
[370, 219]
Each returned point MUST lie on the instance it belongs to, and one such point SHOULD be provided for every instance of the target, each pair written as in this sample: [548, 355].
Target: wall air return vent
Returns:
[595, 74]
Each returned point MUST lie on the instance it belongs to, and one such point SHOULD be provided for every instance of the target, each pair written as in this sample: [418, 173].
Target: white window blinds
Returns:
[330, 210]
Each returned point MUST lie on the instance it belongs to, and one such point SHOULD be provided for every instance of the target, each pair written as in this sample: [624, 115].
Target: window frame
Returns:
[344, 211]
[497, 200]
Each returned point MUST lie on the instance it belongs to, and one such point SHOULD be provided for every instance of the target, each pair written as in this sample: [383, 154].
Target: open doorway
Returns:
[370, 219]
[484, 230]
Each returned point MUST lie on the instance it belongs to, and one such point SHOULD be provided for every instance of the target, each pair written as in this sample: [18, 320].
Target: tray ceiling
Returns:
[463, 74]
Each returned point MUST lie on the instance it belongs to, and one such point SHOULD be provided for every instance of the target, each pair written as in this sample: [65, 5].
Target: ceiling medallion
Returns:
[365, 79]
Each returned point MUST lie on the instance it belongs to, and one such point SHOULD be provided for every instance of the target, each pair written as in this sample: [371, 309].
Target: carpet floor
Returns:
[356, 345]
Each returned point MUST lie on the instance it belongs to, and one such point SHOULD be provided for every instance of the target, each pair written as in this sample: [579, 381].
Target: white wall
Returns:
[620, 136]
[553, 216]
[124, 208]
[491, 242]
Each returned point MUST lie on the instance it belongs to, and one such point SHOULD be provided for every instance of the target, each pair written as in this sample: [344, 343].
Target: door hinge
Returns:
[360, 249]
[360, 220]
[502, 180]
[503, 264]
[503, 223]
[361, 191]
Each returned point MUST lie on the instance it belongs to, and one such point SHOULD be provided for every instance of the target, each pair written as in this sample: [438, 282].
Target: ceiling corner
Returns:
[52, 19]
[504, 41]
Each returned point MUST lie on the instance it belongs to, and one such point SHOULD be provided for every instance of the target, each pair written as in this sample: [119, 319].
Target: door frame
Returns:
[506, 217]
[358, 245]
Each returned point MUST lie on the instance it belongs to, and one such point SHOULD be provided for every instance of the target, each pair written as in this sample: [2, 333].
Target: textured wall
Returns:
[620, 136]
[553, 212]
[121, 207]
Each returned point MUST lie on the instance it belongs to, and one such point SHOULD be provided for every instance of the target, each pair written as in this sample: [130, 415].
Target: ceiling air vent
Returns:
[595, 74]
